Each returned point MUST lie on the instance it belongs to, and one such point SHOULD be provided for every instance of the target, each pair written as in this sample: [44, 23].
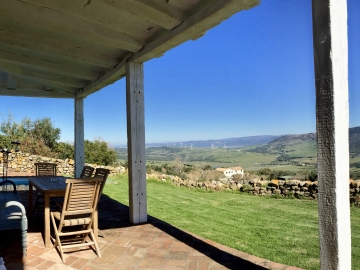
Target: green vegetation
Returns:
[40, 137]
[290, 153]
[280, 230]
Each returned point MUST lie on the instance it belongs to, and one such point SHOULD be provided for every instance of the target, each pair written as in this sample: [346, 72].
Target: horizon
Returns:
[253, 74]
[219, 139]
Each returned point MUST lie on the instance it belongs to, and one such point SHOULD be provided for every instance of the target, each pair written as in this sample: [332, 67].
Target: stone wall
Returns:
[24, 163]
[290, 188]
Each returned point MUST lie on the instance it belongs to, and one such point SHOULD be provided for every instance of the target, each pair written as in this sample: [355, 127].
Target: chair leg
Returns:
[57, 241]
[92, 236]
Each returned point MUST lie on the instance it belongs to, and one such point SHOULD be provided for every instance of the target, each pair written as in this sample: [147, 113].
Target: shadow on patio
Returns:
[154, 245]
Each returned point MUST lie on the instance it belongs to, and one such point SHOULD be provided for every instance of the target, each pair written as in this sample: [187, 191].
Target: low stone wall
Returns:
[290, 188]
[24, 163]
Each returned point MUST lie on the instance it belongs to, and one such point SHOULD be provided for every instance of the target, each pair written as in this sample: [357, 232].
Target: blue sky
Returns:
[251, 75]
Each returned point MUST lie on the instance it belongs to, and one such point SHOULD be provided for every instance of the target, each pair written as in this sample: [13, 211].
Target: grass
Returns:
[280, 230]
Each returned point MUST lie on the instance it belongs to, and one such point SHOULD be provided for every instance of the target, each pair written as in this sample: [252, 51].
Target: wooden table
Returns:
[50, 188]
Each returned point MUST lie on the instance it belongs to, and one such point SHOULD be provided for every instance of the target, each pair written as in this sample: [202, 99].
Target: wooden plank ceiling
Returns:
[68, 49]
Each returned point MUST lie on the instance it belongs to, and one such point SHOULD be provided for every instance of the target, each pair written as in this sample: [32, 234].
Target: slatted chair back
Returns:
[87, 171]
[80, 204]
[81, 196]
[104, 173]
[45, 169]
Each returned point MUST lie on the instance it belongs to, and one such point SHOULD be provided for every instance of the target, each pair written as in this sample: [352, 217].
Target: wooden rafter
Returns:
[46, 66]
[34, 93]
[156, 11]
[62, 24]
[58, 49]
[211, 13]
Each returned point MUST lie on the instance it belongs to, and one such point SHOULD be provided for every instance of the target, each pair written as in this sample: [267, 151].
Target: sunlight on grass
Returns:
[280, 230]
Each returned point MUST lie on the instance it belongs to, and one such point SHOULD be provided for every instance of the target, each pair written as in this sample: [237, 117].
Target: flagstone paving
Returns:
[154, 245]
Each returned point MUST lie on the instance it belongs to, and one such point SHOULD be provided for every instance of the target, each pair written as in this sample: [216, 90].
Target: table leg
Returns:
[47, 220]
[30, 209]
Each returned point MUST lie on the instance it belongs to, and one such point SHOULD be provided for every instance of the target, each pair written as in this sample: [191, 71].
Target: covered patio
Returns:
[70, 50]
[152, 245]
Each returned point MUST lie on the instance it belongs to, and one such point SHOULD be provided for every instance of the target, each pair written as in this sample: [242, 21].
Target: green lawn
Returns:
[280, 230]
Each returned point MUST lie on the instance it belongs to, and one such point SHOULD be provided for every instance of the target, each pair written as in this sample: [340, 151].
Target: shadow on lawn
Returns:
[110, 210]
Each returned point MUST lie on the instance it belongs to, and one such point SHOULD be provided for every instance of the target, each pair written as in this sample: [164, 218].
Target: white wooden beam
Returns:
[79, 156]
[211, 14]
[30, 92]
[136, 142]
[108, 78]
[47, 66]
[42, 76]
[59, 83]
[156, 11]
[332, 121]
[59, 20]
[56, 48]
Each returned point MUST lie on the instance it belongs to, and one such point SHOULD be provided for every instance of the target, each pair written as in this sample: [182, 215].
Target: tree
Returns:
[98, 152]
[64, 150]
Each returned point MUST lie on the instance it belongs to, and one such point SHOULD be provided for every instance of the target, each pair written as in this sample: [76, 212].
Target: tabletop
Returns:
[48, 183]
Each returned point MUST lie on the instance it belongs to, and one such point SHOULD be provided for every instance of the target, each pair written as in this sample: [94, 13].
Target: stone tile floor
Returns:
[154, 245]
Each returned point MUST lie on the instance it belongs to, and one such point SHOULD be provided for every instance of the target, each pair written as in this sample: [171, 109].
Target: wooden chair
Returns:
[87, 171]
[43, 169]
[104, 173]
[101, 172]
[80, 203]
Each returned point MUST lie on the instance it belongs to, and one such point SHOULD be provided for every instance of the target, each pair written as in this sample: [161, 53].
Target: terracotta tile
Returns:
[70, 260]
[98, 265]
[45, 265]
[192, 265]
[61, 266]
[178, 263]
[151, 263]
[203, 265]
[35, 262]
[128, 261]
[80, 263]
[153, 253]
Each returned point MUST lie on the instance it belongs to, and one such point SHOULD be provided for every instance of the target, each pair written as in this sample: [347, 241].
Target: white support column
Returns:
[136, 142]
[332, 120]
[79, 155]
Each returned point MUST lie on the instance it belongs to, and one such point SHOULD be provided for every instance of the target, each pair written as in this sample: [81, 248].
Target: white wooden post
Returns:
[332, 121]
[79, 155]
[136, 142]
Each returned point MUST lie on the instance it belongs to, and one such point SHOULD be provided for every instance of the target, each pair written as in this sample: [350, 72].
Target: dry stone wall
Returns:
[290, 188]
[24, 163]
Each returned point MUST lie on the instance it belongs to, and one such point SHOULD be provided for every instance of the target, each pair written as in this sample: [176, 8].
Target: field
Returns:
[248, 157]
[280, 230]
[294, 156]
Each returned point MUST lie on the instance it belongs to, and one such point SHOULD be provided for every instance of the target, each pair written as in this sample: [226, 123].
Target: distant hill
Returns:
[284, 143]
[266, 143]
[229, 142]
